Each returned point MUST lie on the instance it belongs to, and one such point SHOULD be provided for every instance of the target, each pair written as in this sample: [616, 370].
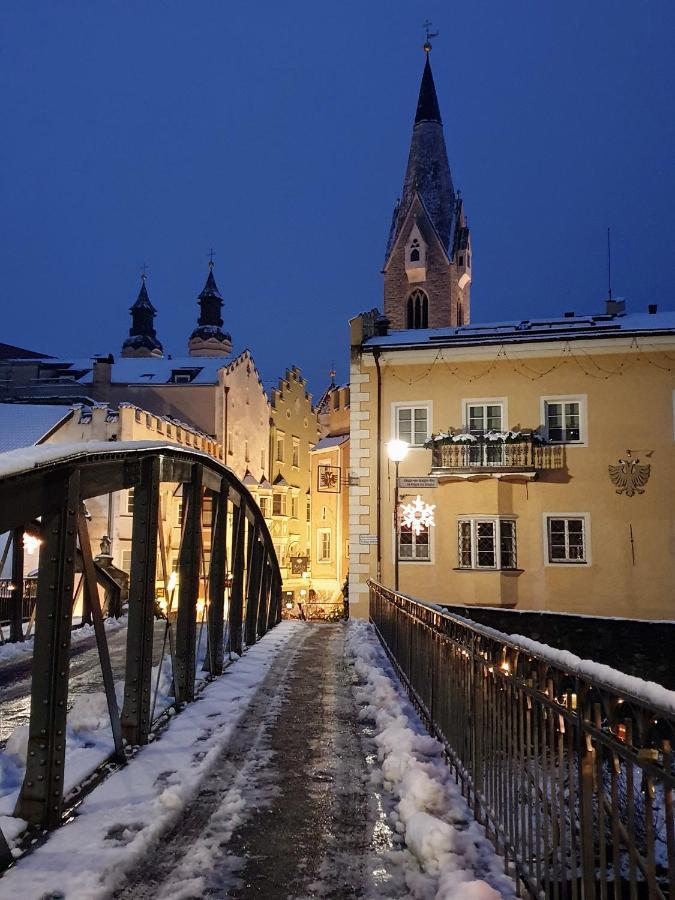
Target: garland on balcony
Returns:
[446, 438]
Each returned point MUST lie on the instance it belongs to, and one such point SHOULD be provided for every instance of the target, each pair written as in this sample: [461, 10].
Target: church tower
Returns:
[427, 269]
[208, 339]
[142, 340]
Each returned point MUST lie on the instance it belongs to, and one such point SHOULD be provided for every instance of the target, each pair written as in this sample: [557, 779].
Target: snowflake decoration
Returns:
[418, 515]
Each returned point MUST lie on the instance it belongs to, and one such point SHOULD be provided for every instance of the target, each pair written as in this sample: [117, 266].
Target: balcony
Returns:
[491, 454]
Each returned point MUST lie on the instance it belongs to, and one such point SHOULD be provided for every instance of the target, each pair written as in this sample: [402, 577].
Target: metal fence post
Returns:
[237, 591]
[214, 656]
[16, 594]
[41, 795]
[254, 584]
[585, 763]
[137, 686]
[189, 560]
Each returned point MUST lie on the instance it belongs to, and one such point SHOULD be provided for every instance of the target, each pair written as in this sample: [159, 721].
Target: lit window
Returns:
[487, 543]
[563, 420]
[413, 546]
[412, 424]
[323, 541]
[479, 418]
[566, 540]
[179, 511]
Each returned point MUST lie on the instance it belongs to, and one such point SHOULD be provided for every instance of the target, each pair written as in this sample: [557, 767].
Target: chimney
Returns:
[615, 307]
[381, 326]
[103, 370]
[652, 309]
[569, 315]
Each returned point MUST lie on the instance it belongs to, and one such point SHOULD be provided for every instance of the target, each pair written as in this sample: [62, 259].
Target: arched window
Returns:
[418, 309]
[415, 251]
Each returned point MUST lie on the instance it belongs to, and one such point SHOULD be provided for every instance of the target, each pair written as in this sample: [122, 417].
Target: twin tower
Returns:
[427, 267]
[208, 338]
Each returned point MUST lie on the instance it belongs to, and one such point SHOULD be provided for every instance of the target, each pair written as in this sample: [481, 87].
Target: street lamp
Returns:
[397, 451]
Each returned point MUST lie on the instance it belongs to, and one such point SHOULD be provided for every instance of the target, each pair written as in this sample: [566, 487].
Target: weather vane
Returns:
[212, 253]
[429, 34]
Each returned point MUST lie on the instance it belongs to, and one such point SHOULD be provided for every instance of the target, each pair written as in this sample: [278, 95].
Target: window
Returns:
[126, 561]
[487, 544]
[461, 260]
[280, 446]
[294, 507]
[413, 546]
[279, 504]
[129, 506]
[567, 540]
[323, 541]
[418, 309]
[207, 511]
[415, 251]
[295, 459]
[564, 419]
[309, 510]
[412, 424]
[481, 416]
[265, 506]
[179, 511]
[460, 315]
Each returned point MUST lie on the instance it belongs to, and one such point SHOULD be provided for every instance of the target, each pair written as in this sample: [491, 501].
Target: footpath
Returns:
[324, 785]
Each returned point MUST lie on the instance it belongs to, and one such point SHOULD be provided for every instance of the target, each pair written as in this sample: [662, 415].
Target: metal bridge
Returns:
[241, 586]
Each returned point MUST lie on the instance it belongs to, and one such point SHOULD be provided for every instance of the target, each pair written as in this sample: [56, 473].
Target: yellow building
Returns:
[293, 432]
[330, 499]
[546, 449]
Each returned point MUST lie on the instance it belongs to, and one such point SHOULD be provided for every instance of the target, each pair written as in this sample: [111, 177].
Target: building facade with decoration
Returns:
[541, 450]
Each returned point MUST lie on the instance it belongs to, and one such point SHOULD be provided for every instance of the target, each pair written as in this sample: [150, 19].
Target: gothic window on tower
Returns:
[415, 251]
[418, 309]
[460, 315]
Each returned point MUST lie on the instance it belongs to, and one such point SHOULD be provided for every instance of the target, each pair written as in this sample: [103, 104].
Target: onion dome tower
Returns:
[142, 340]
[208, 339]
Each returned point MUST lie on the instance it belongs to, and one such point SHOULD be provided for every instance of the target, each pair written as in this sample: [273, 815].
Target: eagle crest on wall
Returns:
[629, 477]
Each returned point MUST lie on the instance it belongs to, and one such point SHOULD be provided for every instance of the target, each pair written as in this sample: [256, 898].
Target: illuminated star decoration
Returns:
[418, 515]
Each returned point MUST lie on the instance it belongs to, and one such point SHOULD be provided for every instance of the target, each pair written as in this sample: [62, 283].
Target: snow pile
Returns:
[25, 648]
[120, 821]
[449, 856]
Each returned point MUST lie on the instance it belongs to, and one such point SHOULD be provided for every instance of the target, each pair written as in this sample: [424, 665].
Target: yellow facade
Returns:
[579, 545]
[293, 432]
[330, 520]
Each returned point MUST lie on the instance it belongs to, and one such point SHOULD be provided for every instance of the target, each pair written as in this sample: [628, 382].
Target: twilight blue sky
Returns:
[278, 134]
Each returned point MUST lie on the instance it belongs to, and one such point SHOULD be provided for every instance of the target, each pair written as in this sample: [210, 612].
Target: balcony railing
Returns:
[490, 451]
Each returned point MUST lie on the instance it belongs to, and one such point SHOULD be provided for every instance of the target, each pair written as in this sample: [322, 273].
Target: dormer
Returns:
[416, 257]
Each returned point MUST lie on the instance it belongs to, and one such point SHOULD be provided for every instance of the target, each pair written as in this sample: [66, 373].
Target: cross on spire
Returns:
[144, 271]
[212, 253]
[429, 34]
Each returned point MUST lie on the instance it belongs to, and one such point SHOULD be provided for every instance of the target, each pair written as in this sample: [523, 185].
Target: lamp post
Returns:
[397, 451]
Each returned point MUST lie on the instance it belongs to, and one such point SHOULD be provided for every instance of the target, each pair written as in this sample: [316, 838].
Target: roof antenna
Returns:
[429, 34]
[609, 265]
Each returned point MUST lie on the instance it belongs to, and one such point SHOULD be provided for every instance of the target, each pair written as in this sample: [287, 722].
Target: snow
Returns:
[25, 649]
[449, 857]
[120, 821]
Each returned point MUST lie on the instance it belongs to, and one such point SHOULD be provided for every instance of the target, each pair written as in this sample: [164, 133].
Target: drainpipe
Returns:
[376, 354]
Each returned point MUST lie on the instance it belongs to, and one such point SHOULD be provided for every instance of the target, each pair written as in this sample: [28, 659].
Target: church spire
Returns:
[208, 339]
[142, 340]
[427, 269]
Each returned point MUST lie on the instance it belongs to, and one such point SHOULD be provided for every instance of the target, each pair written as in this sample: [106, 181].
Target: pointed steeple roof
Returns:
[208, 338]
[427, 104]
[428, 171]
[143, 300]
[210, 288]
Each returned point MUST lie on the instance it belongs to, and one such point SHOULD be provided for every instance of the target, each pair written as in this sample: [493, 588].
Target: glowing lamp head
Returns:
[173, 581]
[397, 450]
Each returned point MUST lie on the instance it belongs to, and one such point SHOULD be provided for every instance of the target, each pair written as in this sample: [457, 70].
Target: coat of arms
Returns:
[630, 476]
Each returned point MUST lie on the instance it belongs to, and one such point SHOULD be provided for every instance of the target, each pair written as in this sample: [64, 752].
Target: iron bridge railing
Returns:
[242, 585]
[571, 775]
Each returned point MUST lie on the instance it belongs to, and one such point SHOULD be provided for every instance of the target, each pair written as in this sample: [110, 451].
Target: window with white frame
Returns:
[481, 416]
[487, 543]
[567, 540]
[280, 446]
[564, 419]
[179, 511]
[412, 424]
[129, 502]
[295, 458]
[266, 506]
[279, 504]
[126, 561]
[323, 545]
[413, 546]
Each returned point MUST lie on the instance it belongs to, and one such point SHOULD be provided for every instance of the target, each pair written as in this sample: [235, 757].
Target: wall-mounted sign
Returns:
[367, 539]
[328, 478]
[299, 564]
[423, 481]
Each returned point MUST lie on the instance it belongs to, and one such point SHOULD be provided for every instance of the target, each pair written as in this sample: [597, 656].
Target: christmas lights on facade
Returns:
[418, 515]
